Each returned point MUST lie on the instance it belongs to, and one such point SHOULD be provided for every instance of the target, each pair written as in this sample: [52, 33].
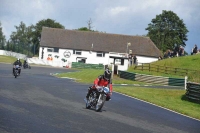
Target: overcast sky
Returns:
[128, 17]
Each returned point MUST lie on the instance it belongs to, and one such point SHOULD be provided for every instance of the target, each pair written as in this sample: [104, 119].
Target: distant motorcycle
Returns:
[16, 71]
[26, 65]
[97, 98]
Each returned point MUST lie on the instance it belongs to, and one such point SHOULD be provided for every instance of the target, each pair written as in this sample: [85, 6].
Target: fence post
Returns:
[186, 71]
[186, 82]
[149, 67]
[158, 68]
[112, 71]
[142, 66]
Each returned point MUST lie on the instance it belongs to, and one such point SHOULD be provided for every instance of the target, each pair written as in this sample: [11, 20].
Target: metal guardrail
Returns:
[153, 79]
[193, 91]
[87, 66]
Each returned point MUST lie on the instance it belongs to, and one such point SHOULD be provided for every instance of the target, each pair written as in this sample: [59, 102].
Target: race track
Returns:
[37, 102]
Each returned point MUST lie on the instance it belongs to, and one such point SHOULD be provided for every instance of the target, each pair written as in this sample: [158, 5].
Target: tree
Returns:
[38, 29]
[167, 30]
[84, 29]
[89, 22]
[22, 38]
[2, 39]
[89, 28]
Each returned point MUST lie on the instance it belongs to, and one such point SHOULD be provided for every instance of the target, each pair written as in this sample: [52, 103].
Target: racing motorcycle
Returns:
[26, 65]
[97, 98]
[16, 71]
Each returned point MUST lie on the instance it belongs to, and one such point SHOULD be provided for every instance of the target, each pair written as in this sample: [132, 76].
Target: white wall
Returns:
[144, 59]
[91, 56]
[13, 54]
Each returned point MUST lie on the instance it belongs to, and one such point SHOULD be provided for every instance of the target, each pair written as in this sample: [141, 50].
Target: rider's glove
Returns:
[98, 87]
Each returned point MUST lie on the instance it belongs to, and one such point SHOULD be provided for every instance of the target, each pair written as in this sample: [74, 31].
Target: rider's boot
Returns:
[89, 92]
[108, 98]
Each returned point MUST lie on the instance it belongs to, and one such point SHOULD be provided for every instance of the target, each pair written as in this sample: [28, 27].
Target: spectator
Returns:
[134, 59]
[131, 59]
[192, 51]
[168, 53]
[181, 51]
[165, 55]
[195, 49]
[176, 51]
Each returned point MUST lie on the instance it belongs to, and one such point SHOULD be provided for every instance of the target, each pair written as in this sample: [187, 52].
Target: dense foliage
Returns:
[2, 39]
[26, 39]
[167, 31]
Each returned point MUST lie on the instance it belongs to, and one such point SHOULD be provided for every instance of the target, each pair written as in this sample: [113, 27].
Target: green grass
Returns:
[88, 76]
[7, 59]
[191, 62]
[187, 62]
[168, 98]
[171, 99]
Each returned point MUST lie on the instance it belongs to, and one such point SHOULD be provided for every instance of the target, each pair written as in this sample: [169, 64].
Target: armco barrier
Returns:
[153, 79]
[193, 91]
[85, 66]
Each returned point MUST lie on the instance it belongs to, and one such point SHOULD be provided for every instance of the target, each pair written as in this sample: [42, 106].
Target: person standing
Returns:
[195, 49]
[135, 59]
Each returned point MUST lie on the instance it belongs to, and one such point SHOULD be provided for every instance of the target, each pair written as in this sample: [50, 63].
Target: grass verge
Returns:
[171, 99]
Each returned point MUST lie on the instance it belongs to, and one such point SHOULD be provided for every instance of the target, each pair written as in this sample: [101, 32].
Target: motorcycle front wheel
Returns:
[88, 102]
[15, 74]
[100, 102]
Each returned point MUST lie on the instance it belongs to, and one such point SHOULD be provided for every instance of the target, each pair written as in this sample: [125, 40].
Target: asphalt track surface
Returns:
[37, 102]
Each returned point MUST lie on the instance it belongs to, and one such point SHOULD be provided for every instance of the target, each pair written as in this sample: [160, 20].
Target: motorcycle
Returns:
[97, 98]
[16, 71]
[26, 65]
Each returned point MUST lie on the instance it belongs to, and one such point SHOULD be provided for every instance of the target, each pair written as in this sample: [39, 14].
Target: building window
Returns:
[77, 52]
[49, 50]
[119, 61]
[55, 50]
[100, 54]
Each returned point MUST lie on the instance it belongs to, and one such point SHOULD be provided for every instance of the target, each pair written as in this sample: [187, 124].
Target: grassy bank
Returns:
[171, 99]
[7, 59]
[191, 62]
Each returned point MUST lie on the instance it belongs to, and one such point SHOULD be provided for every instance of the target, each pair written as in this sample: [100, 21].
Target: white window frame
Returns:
[51, 50]
[77, 52]
[100, 54]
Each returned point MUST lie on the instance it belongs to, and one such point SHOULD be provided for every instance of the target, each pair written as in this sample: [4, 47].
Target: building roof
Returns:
[97, 41]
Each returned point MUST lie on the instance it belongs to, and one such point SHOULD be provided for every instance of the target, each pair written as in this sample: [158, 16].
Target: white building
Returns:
[94, 48]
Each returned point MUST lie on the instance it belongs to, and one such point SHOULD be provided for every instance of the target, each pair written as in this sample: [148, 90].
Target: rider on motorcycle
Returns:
[102, 80]
[25, 64]
[17, 62]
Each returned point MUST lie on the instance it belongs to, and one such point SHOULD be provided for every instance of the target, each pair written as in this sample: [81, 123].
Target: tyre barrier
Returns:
[193, 91]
